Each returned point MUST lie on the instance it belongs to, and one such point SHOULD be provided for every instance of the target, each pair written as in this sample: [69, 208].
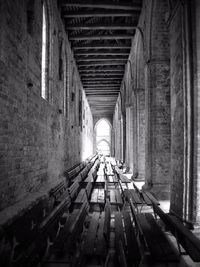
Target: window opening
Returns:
[44, 53]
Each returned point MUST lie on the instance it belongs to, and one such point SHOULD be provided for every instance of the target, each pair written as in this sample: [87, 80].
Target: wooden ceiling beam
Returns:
[101, 83]
[106, 79]
[102, 58]
[100, 71]
[90, 76]
[102, 63]
[102, 26]
[99, 13]
[99, 53]
[101, 46]
[80, 37]
[126, 5]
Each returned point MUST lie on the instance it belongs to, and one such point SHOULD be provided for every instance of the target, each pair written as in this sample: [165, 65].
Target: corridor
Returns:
[99, 133]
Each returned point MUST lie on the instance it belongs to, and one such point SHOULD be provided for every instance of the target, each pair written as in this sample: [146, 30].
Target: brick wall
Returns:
[38, 140]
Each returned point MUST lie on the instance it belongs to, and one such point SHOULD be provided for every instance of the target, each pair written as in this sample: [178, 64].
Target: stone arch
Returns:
[97, 139]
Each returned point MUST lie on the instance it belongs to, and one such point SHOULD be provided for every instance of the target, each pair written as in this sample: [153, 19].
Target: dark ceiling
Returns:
[100, 33]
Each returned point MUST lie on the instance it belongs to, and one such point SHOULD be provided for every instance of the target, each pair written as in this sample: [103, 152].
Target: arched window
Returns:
[103, 137]
[44, 52]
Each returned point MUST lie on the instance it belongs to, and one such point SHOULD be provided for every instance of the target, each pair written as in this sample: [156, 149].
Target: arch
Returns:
[103, 119]
[102, 134]
[103, 147]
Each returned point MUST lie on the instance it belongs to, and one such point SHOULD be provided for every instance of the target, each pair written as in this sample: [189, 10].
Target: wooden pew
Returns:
[115, 198]
[96, 242]
[70, 233]
[183, 235]
[126, 244]
[50, 228]
[154, 241]
[146, 196]
[16, 240]
[56, 192]
[73, 189]
[81, 197]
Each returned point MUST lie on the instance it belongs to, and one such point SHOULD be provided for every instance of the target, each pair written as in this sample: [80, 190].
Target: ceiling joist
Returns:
[125, 5]
[101, 46]
[99, 13]
[102, 26]
[101, 37]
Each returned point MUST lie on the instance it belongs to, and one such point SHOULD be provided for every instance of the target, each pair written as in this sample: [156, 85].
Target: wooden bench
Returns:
[183, 235]
[88, 189]
[112, 179]
[100, 180]
[82, 197]
[97, 200]
[96, 242]
[56, 192]
[74, 171]
[146, 196]
[126, 245]
[155, 242]
[51, 226]
[115, 197]
[130, 194]
[73, 189]
[69, 235]
[16, 240]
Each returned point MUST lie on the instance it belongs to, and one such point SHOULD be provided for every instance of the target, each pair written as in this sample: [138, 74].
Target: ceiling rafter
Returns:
[102, 26]
[101, 37]
[125, 5]
[100, 13]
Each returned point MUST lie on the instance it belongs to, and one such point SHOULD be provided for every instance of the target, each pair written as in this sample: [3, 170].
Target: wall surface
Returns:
[39, 138]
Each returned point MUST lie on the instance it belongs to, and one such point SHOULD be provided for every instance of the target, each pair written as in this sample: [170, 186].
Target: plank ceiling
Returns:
[100, 33]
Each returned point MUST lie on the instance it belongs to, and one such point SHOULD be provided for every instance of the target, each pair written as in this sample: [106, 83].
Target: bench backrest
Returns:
[106, 228]
[186, 238]
[73, 189]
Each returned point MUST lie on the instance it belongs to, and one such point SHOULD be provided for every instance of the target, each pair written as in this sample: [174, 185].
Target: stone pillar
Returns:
[157, 94]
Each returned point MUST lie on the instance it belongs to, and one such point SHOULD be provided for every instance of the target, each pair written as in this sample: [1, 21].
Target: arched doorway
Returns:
[103, 137]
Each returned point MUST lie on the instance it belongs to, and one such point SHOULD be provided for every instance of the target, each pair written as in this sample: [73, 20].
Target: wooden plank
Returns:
[103, 53]
[80, 197]
[146, 199]
[152, 198]
[112, 197]
[135, 197]
[94, 197]
[119, 233]
[91, 234]
[164, 243]
[100, 245]
[159, 246]
[102, 63]
[133, 251]
[118, 197]
[101, 46]
[101, 4]
[101, 196]
[101, 26]
[99, 13]
[187, 239]
[106, 229]
[80, 37]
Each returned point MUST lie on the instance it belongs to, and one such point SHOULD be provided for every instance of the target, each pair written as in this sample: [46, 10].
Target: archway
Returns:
[103, 137]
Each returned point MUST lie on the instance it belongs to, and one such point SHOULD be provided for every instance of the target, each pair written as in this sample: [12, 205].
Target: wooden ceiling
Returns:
[100, 32]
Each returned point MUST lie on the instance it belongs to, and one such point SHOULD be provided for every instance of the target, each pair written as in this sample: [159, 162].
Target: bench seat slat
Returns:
[188, 240]
[100, 246]
[133, 252]
[91, 235]
[158, 244]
